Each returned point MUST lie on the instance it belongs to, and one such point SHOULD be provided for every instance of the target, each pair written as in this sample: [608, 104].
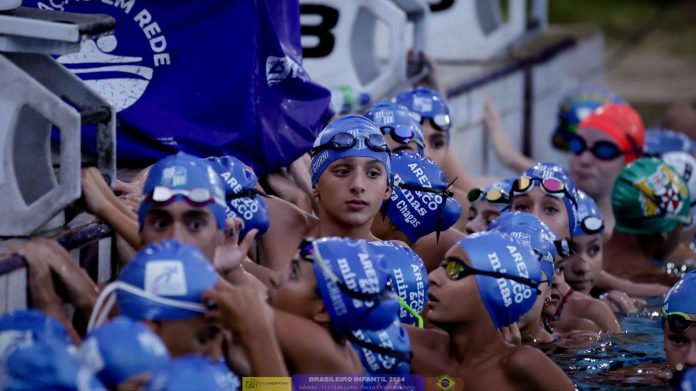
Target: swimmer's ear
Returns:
[321, 315]
[387, 192]
[315, 192]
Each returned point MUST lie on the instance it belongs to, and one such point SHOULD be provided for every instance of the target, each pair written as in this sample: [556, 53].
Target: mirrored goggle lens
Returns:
[592, 224]
[454, 270]
[377, 142]
[553, 185]
[399, 133]
[522, 184]
[342, 140]
[678, 323]
[442, 121]
[199, 195]
[162, 194]
[497, 196]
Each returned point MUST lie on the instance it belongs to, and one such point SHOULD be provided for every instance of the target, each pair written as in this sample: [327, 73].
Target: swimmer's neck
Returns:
[394, 233]
[327, 228]
[534, 333]
[474, 342]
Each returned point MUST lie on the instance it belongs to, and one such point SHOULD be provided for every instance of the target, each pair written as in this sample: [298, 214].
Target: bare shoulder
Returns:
[529, 366]
[430, 339]
[595, 310]
[432, 250]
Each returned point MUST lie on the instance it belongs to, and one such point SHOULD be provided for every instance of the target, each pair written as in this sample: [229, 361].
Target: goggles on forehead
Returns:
[551, 186]
[663, 213]
[602, 150]
[678, 322]
[310, 253]
[343, 141]
[441, 122]
[197, 196]
[456, 269]
[592, 225]
[401, 134]
[494, 195]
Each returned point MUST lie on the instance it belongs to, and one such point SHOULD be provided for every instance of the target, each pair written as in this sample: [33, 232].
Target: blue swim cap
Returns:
[530, 230]
[570, 199]
[122, 349]
[659, 141]
[386, 351]
[46, 365]
[183, 172]
[420, 201]
[426, 104]
[681, 297]
[352, 282]
[164, 281]
[241, 197]
[590, 219]
[397, 121]
[362, 131]
[409, 279]
[23, 327]
[688, 381]
[189, 373]
[506, 300]
[496, 194]
[576, 106]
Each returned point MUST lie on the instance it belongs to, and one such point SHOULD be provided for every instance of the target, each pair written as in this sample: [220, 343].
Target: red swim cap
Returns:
[623, 124]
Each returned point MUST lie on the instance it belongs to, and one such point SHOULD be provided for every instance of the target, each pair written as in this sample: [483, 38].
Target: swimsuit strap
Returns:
[563, 301]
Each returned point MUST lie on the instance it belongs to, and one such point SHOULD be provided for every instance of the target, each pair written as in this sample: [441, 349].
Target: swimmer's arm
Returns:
[609, 281]
[289, 225]
[308, 347]
[529, 369]
[507, 154]
[101, 201]
[600, 313]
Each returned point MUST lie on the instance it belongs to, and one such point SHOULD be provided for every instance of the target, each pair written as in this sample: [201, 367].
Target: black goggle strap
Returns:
[398, 355]
[445, 193]
[474, 271]
[246, 193]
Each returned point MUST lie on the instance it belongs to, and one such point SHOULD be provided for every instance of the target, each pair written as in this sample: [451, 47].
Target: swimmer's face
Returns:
[534, 314]
[591, 175]
[549, 209]
[481, 214]
[680, 348]
[554, 297]
[436, 142]
[445, 304]
[294, 289]
[582, 268]
[351, 191]
[181, 221]
[194, 335]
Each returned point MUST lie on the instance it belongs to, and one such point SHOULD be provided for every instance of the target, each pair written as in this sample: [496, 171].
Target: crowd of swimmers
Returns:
[373, 254]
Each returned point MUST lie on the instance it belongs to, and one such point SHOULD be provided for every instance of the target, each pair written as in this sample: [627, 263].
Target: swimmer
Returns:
[678, 320]
[485, 205]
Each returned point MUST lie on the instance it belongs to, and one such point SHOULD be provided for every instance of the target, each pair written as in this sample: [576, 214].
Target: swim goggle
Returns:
[197, 196]
[441, 122]
[551, 186]
[602, 150]
[663, 213]
[592, 225]
[678, 322]
[403, 134]
[456, 269]
[343, 141]
[494, 196]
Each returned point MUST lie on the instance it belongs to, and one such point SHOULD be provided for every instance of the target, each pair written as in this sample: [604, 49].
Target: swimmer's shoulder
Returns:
[528, 368]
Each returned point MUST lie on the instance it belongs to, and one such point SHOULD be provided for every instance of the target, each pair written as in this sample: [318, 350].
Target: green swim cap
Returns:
[649, 198]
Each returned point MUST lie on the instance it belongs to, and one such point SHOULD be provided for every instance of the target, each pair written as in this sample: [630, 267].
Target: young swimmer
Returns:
[350, 172]
[332, 287]
[608, 139]
[506, 275]
[123, 354]
[486, 204]
[547, 192]
[532, 231]
[405, 133]
[164, 287]
[421, 210]
[678, 320]
[651, 205]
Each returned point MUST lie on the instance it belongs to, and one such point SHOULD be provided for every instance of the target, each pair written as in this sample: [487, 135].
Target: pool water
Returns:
[633, 360]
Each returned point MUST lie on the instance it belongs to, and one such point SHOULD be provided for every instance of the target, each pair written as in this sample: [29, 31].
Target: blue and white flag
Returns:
[209, 78]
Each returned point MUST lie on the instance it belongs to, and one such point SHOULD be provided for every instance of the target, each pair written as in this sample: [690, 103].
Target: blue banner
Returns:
[208, 78]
